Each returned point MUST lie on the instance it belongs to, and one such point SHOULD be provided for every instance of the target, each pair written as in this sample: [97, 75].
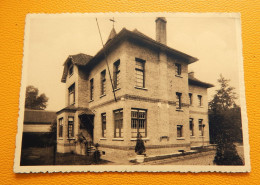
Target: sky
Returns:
[52, 38]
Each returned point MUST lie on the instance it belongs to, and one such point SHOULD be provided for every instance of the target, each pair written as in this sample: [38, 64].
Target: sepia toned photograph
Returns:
[127, 92]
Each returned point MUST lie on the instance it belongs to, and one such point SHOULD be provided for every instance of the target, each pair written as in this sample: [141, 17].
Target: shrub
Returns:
[139, 147]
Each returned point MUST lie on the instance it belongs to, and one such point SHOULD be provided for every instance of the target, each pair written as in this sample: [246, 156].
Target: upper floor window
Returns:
[200, 100]
[104, 127]
[178, 69]
[117, 74]
[179, 131]
[72, 94]
[178, 100]
[138, 123]
[71, 69]
[190, 98]
[191, 127]
[103, 82]
[118, 123]
[139, 72]
[70, 127]
[91, 89]
[201, 127]
[61, 127]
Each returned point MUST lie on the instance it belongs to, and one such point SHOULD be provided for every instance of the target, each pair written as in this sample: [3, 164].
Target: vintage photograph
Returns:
[158, 92]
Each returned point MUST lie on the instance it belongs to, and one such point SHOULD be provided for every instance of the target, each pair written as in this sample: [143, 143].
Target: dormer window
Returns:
[71, 69]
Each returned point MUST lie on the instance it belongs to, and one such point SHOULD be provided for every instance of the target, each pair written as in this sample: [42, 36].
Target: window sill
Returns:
[179, 76]
[91, 101]
[103, 138]
[179, 110]
[180, 138]
[71, 138]
[144, 139]
[60, 138]
[102, 95]
[201, 107]
[202, 136]
[116, 90]
[192, 136]
[141, 88]
[117, 139]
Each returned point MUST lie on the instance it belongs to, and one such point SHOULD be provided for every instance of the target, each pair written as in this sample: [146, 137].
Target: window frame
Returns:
[71, 70]
[138, 110]
[91, 89]
[200, 100]
[181, 131]
[201, 127]
[120, 123]
[178, 100]
[116, 74]
[71, 90]
[178, 69]
[61, 124]
[103, 82]
[103, 124]
[191, 125]
[71, 123]
[140, 70]
[190, 98]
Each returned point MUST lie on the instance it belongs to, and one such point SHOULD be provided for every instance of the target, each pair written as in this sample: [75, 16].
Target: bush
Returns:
[139, 147]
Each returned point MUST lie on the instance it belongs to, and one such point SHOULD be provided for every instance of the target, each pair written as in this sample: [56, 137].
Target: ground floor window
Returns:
[104, 127]
[61, 127]
[191, 127]
[118, 123]
[179, 131]
[138, 123]
[201, 127]
[71, 127]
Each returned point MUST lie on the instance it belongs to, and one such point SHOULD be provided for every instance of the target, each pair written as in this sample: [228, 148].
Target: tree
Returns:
[225, 124]
[33, 100]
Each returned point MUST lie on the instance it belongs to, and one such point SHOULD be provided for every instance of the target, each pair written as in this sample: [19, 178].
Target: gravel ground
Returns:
[203, 158]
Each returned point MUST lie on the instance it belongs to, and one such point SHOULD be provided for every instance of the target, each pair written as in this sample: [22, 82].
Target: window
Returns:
[71, 68]
[117, 74]
[201, 127]
[178, 100]
[178, 69]
[71, 127]
[200, 100]
[139, 72]
[179, 131]
[190, 98]
[138, 123]
[72, 94]
[91, 89]
[118, 121]
[104, 127]
[191, 127]
[103, 82]
[61, 127]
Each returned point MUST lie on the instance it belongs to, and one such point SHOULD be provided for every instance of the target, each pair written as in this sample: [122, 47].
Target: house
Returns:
[37, 127]
[155, 96]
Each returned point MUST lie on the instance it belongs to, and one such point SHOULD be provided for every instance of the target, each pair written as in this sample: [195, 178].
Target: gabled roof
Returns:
[80, 59]
[113, 39]
[39, 116]
[195, 81]
[140, 37]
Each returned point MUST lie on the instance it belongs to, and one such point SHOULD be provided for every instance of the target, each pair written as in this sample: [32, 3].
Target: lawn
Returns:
[34, 156]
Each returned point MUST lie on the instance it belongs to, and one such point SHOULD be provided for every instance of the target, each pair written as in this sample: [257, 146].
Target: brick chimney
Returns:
[161, 30]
